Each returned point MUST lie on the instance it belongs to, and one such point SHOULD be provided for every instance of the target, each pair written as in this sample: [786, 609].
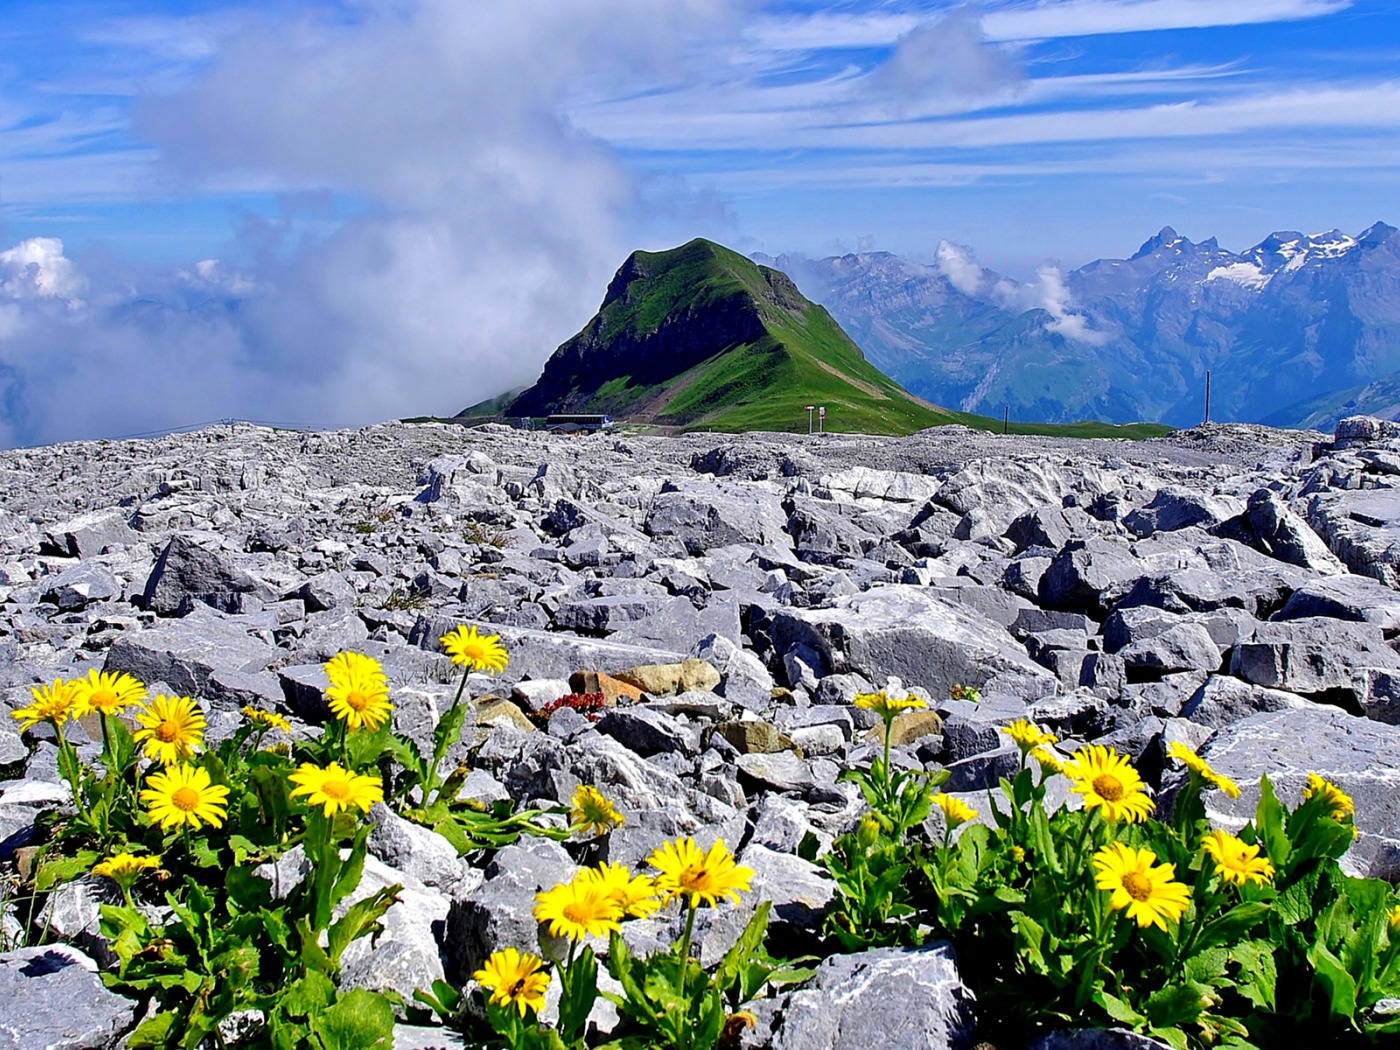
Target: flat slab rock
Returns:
[910, 998]
[52, 999]
[1360, 756]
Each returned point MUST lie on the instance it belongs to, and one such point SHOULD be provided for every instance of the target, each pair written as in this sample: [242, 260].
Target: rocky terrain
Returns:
[1232, 588]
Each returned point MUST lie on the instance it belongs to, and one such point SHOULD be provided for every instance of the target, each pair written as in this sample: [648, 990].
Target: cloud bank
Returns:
[487, 230]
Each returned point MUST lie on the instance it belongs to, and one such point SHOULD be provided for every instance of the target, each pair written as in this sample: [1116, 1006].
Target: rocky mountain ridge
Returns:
[1294, 317]
[1231, 588]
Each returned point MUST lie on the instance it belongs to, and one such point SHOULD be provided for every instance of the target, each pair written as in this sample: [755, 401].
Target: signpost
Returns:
[809, 417]
[821, 419]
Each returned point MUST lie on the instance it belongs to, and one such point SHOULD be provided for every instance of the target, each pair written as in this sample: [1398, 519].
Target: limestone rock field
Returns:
[1234, 589]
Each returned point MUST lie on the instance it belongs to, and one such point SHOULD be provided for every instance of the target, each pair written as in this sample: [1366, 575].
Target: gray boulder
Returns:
[718, 515]
[186, 654]
[54, 1000]
[800, 891]
[1177, 507]
[91, 533]
[1181, 647]
[187, 574]
[1362, 527]
[906, 632]
[1346, 597]
[80, 585]
[1311, 655]
[1090, 576]
[1222, 700]
[648, 732]
[1360, 756]
[911, 998]
[1270, 527]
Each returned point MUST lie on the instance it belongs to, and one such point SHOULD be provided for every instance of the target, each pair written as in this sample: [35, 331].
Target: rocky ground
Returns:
[1230, 587]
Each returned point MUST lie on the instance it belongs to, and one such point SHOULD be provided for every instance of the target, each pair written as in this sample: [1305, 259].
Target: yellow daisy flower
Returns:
[183, 794]
[267, 719]
[888, 706]
[1338, 801]
[1148, 890]
[636, 894]
[1198, 765]
[1235, 860]
[514, 979]
[582, 907]
[106, 692]
[125, 868]
[52, 703]
[1394, 917]
[1027, 736]
[336, 788]
[590, 812]
[703, 876]
[477, 652]
[1050, 762]
[359, 693]
[1108, 781]
[171, 729]
[955, 812]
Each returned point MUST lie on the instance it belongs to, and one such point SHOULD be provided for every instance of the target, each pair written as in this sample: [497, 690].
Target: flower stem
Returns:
[685, 949]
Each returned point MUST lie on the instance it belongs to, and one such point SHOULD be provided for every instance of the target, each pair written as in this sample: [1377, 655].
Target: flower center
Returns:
[580, 912]
[692, 877]
[167, 731]
[1108, 787]
[103, 699]
[185, 798]
[336, 789]
[358, 701]
[1138, 885]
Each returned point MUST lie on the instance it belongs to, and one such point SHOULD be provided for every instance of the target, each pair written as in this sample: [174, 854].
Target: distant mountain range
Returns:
[1295, 330]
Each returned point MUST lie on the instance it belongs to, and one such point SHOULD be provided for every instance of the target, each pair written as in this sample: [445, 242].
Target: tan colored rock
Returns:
[756, 738]
[494, 711]
[612, 688]
[671, 679]
[908, 727]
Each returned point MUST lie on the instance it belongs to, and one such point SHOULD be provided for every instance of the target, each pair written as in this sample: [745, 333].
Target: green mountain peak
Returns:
[701, 337]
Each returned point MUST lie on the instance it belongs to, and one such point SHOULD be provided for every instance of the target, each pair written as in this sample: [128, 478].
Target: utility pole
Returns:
[810, 409]
[1207, 419]
[1006, 419]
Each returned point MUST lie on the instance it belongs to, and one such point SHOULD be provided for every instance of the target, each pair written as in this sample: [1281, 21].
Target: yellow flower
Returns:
[269, 719]
[105, 692]
[336, 788]
[888, 706]
[954, 811]
[359, 693]
[1107, 780]
[477, 652]
[589, 811]
[184, 795]
[582, 907]
[1027, 736]
[635, 894]
[1235, 860]
[703, 876]
[1018, 854]
[124, 869]
[1394, 917]
[1148, 890]
[514, 979]
[172, 729]
[1050, 762]
[965, 692]
[1197, 765]
[52, 703]
[1338, 801]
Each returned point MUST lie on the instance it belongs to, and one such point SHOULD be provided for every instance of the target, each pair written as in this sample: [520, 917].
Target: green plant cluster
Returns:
[1108, 917]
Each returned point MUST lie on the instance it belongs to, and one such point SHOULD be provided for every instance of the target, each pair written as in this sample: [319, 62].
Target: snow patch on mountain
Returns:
[1245, 273]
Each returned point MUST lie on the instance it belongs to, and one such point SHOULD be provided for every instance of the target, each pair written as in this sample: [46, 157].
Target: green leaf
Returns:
[1117, 1009]
[307, 995]
[359, 1020]
[153, 1032]
[61, 869]
[1176, 1003]
[1234, 924]
[1269, 826]
[363, 747]
[1339, 985]
[360, 919]
[582, 992]
[1258, 975]
[1206, 966]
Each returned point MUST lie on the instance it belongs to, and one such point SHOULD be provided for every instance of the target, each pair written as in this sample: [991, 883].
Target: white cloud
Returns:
[962, 270]
[37, 269]
[491, 229]
[1046, 19]
[1049, 293]
[949, 55]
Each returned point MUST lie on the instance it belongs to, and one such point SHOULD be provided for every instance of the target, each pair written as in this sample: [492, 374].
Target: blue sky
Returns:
[339, 202]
